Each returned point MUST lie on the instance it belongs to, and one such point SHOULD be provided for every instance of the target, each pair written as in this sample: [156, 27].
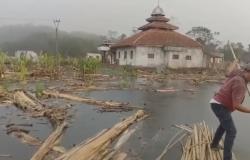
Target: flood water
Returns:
[152, 134]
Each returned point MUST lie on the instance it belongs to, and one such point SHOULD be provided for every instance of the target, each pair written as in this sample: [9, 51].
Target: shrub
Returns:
[2, 64]
[88, 66]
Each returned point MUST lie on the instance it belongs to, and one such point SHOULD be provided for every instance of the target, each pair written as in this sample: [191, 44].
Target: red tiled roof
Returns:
[158, 37]
[158, 18]
[160, 25]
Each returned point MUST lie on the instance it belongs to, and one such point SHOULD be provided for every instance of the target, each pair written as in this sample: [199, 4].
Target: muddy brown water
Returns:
[152, 134]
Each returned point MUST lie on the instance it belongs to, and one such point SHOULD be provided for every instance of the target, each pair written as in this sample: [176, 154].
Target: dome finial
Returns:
[158, 11]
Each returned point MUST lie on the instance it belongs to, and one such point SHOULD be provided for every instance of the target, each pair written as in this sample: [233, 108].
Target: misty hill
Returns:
[42, 38]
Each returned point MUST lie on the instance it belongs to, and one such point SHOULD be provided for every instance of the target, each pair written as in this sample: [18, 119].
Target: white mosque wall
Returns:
[126, 56]
[176, 57]
[188, 58]
[149, 56]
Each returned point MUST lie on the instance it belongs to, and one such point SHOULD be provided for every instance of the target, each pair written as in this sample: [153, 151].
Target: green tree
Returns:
[202, 34]
[206, 37]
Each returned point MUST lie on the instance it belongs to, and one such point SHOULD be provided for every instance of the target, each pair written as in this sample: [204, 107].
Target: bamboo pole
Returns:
[106, 105]
[122, 140]
[50, 142]
[197, 145]
[120, 156]
[97, 146]
[167, 147]
[203, 146]
[196, 142]
[237, 61]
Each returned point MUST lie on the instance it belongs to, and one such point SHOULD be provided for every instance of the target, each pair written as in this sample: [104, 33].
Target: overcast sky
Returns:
[229, 17]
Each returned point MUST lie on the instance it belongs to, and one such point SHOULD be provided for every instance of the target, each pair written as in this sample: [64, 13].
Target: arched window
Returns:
[125, 54]
[131, 55]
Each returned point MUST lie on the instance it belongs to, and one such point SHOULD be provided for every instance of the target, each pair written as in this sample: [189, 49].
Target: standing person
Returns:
[228, 99]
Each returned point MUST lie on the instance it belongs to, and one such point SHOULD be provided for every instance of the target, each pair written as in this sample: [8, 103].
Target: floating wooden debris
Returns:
[120, 156]
[5, 155]
[42, 72]
[88, 88]
[50, 142]
[72, 85]
[6, 103]
[173, 90]
[167, 90]
[98, 148]
[3, 94]
[24, 136]
[179, 136]
[190, 90]
[108, 106]
[198, 143]
[22, 101]
[215, 81]
[116, 153]
[16, 129]
[14, 124]
[29, 104]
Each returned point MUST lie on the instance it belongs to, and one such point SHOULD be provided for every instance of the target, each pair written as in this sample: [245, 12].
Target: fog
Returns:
[229, 17]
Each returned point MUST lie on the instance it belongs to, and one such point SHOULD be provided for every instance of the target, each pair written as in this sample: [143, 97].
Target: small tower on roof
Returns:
[158, 21]
[158, 11]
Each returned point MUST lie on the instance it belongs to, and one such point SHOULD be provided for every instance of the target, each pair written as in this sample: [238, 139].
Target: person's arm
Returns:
[243, 109]
[238, 94]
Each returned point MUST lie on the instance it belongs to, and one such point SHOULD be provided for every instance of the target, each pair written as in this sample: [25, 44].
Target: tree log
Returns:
[95, 149]
[106, 105]
[36, 109]
[50, 142]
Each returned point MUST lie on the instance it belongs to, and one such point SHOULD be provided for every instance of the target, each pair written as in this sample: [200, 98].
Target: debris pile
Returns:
[198, 143]
[100, 147]
[31, 105]
[23, 135]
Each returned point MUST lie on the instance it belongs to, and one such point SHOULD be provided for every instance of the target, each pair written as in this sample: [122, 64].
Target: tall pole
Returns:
[237, 61]
[56, 23]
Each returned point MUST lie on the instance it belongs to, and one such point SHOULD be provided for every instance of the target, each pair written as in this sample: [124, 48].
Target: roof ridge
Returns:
[184, 35]
[138, 38]
[159, 37]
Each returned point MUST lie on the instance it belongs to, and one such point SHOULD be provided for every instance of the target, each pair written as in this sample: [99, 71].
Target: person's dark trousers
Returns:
[226, 125]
